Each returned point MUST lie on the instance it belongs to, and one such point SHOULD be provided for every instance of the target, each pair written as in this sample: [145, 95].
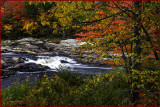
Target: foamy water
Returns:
[55, 62]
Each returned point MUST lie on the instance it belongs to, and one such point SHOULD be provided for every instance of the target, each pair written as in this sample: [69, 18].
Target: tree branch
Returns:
[113, 15]
[148, 37]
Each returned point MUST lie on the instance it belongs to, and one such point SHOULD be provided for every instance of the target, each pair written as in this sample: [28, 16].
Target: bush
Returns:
[146, 84]
[71, 77]
[70, 89]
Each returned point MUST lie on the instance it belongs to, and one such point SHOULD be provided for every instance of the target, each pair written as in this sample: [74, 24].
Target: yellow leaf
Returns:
[131, 54]
[98, 79]
[106, 75]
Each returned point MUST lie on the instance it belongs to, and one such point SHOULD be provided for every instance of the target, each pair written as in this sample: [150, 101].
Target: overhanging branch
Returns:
[113, 15]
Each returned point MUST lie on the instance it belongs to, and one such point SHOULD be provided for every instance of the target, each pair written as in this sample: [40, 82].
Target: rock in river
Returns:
[63, 61]
[29, 67]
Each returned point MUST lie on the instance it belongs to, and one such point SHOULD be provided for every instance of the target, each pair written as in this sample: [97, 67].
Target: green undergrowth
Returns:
[70, 89]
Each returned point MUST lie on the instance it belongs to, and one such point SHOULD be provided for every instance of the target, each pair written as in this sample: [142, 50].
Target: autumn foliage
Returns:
[122, 33]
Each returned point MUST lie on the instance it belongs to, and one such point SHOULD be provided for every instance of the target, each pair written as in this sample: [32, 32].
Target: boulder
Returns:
[69, 42]
[50, 46]
[38, 42]
[30, 52]
[6, 42]
[28, 39]
[31, 46]
[10, 61]
[63, 61]
[29, 67]
[18, 59]
[13, 60]
[48, 53]
[2, 62]
[72, 43]
[23, 43]
[4, 49]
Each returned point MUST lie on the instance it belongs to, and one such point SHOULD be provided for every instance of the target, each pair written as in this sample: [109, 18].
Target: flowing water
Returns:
[53, 62]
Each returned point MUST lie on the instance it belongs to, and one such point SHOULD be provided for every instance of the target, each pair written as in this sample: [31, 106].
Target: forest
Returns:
[126, 33]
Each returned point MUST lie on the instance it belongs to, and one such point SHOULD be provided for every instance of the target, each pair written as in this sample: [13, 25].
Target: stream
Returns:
[53, 62]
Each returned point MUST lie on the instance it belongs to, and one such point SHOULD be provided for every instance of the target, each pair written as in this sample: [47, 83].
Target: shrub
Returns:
[71, 77]
[70, 89]
[146, 84]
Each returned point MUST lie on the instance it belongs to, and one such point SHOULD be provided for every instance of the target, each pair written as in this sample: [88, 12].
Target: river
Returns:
[53, 62]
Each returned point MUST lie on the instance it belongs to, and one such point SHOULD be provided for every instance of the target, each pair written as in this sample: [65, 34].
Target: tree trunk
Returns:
[137, 29]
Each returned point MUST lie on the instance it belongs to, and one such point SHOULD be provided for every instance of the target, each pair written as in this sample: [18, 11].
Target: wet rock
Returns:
[30, 52]
[6, 43]
[31, 46]
[71, 43]
[18, 59]
[63, 61]
[16, 51]
[24, 42]
[10, 61]
[50, 46]
[28, 39]
[48, 53]
[68, 42]
[18, 48]
[2, 62]
[4, 49]
[38, 42]
[29, 67]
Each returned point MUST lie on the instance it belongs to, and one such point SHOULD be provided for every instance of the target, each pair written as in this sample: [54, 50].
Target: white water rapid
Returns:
[57, 61]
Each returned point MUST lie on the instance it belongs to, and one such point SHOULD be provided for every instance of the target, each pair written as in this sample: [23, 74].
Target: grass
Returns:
[70, 89]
